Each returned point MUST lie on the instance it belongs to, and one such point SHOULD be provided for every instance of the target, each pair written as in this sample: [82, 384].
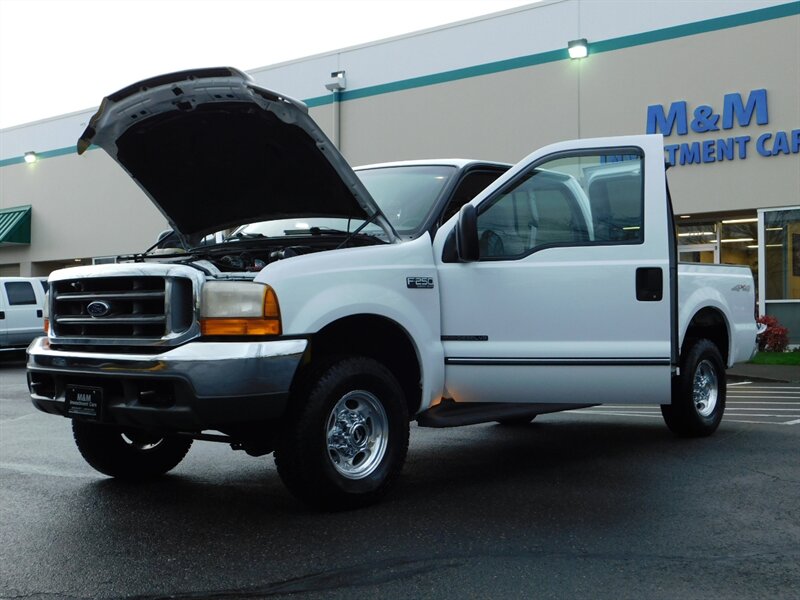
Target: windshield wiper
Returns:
[244, 235]
[315, 231]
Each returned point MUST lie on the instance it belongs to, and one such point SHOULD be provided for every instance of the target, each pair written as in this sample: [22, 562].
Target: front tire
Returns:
[698, 394]
[347, 441]
[128, 453]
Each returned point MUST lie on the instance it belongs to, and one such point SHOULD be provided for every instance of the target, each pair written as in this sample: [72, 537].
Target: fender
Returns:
[318, 289]
[698, 292]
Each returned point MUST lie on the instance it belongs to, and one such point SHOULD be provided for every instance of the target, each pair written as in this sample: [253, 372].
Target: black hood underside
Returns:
[257, 160]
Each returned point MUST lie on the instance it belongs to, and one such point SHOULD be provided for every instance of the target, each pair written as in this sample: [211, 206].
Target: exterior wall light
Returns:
[30, 157]
[578, 48]
[337, 83]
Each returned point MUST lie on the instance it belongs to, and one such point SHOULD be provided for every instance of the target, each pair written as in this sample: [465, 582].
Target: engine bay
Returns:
[252, 255]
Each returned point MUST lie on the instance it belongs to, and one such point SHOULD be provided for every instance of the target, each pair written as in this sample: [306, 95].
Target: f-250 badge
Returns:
[419, 283]
[740, 288]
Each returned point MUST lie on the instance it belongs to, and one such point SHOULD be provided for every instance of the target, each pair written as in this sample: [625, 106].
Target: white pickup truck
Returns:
[21, 310]
[339, 308]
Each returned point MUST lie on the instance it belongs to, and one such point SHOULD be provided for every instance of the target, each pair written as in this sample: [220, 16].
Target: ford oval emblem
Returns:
[98, 308]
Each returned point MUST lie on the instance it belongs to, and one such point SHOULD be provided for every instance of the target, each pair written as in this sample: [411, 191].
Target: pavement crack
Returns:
[368, 574]
[17, 595]
[739, 469]
[774, 477]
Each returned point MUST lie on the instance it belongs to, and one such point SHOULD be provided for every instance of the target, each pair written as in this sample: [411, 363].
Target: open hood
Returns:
[212, 151]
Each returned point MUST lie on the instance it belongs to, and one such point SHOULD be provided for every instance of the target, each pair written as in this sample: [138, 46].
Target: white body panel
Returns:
[317, 289]
[562, 324]
[727, 289]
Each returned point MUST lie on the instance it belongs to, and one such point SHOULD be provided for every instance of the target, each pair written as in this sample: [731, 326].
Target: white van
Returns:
[21, 310]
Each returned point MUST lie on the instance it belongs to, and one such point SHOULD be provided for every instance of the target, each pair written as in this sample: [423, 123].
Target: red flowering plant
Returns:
[775, 338]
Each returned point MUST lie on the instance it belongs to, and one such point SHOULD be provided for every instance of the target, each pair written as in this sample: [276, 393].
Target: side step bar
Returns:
[449, 413]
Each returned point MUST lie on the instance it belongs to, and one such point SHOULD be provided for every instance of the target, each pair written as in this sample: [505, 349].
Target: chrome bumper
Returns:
[200, 385]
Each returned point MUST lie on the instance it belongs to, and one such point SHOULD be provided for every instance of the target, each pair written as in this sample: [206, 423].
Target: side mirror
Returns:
[467, 234]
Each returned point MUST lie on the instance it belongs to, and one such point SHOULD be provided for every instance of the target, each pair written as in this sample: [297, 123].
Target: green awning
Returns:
[15, 225]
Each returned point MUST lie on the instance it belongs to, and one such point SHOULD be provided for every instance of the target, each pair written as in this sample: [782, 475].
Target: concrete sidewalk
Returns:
[783, 373]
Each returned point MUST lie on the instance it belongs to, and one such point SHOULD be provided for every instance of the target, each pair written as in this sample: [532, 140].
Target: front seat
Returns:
[490, 244]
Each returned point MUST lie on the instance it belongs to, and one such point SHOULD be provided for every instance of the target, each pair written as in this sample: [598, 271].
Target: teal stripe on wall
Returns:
[628, 41]
[41, 155]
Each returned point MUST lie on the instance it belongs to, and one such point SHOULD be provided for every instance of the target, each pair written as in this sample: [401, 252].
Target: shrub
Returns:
[775, 338]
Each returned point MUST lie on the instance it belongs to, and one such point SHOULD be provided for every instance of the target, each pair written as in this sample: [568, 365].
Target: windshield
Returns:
[304, 226]
[406, 194]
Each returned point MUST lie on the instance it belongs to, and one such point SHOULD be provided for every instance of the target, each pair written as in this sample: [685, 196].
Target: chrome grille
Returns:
[148, 307]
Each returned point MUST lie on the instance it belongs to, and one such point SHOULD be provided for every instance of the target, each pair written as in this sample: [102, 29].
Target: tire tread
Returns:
[301, 454]
[104, 449]
[681, 416]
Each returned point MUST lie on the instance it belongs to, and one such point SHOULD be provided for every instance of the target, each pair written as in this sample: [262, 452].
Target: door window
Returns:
[470, 186]
[566, 201]
[20, 292]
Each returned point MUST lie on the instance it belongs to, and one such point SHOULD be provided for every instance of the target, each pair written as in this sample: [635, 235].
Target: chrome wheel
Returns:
[357, 434]
[705, 389]
[698, 393]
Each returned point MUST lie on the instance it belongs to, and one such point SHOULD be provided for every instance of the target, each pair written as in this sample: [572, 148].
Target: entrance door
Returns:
[699, 253]
[570, 299]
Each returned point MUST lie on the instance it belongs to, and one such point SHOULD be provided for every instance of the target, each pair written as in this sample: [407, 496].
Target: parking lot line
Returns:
[751, 387]
[796, 409]
[739, 413]
[770, 403]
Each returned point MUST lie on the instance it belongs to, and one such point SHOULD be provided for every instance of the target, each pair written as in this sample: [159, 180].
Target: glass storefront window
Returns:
[739, 243]
[697, 242]
[697, 233]
[782, 254]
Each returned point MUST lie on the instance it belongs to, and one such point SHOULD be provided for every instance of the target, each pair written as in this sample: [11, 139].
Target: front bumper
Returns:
[196, 386]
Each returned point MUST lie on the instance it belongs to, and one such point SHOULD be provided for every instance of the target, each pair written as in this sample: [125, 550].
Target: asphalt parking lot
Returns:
[598, 503]
[759, 403]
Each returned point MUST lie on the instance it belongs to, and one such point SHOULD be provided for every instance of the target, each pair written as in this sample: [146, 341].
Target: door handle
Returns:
[649, 284]
[2, 315]
[39, 313]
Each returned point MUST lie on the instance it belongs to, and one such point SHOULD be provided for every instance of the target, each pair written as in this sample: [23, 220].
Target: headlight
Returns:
[239, 308]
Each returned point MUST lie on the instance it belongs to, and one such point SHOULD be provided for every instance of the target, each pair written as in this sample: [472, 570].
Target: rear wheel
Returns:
[698, 393]
[128, 453]
[347, 443]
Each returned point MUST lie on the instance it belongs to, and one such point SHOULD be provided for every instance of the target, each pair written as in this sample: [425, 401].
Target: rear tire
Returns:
[698, 393]
[347, 441]
[128, 453]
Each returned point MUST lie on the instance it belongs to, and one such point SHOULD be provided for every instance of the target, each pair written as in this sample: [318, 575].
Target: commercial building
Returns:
[720, 80]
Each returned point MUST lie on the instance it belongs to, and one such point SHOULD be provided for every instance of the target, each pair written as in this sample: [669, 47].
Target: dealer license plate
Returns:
[84, 402]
